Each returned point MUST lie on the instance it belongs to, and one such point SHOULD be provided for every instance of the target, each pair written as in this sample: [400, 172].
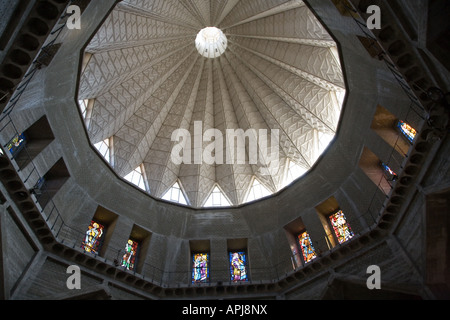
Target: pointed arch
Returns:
[324, 139]
[137, 177]
[176, 194]
[104, 148]
[257, 191]
[86, 106]
[293, 172]
[217, 198]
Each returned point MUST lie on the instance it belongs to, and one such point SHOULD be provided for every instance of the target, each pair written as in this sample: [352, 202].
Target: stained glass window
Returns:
[389, 173]
[16, 144]
[408, 131]
[238, 266]
[200, 267]
[306, 246]
[92, 239]
[129, 258]
[341, 227]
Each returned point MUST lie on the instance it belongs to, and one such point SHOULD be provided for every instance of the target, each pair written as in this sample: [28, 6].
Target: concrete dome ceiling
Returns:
[280, 70]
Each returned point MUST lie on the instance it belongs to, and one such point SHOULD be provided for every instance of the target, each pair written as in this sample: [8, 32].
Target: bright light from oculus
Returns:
[211, 42]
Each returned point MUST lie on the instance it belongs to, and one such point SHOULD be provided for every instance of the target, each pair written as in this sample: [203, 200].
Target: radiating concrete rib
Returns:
[179, 20]
[235, 178]
[324, 84]
[99, 48]
[194, 10]
[161, 183]
[309, 42]
[126, 113]
[230, 4]
[293, 4]
[136, 157]
[200, 176]
[251, 119]
[286, 138]
[304, 112]
[118, 79]
[124, 29]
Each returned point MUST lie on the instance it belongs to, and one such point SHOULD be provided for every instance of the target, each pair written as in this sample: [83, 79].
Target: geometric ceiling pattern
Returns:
[145, 79]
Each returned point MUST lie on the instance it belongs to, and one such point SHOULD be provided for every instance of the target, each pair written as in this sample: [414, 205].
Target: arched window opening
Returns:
[175, 194]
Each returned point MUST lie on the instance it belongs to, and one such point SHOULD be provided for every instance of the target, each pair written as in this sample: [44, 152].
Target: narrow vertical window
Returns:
[388, 172]
[306, 246]
[200, 267]
[16, 144]
[92, 240]
[130, 256]
[238, 266]
[341, 227]
[408, 131]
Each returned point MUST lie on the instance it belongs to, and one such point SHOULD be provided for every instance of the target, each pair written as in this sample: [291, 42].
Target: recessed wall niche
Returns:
[376, 170]
[99, 231]
[238, 260]
[136, 249]
[31, 142]
[385, 125]
[294, 231]
[200, 261]
[335, 222]
[49, 185]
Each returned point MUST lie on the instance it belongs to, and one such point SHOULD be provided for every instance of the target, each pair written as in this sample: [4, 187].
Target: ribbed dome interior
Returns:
[146, 78]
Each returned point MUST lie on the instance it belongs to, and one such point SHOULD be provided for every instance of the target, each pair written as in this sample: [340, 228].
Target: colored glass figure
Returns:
[408, 131]
[92, 238]
[341, 227]
[129, 258]
[200, 268]
[390, 174]
[238, 266]
[16, 144]
[307, 248]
